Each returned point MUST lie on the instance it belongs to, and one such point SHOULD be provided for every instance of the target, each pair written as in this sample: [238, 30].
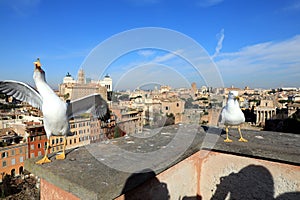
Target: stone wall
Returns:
[267, 167]
[225, 175]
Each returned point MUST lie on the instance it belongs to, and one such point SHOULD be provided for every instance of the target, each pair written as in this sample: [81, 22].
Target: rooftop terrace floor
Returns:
[101, 169]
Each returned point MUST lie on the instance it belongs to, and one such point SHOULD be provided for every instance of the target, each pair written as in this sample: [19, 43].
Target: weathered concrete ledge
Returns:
[102, 170]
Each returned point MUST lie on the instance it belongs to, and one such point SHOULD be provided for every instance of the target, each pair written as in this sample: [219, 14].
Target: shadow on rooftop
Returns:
[213, 130]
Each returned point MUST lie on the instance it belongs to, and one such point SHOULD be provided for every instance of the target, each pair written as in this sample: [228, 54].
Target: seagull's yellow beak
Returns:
[237, 98]
[37, 63]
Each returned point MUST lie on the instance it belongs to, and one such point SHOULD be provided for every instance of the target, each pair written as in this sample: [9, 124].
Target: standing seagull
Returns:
[232, 115]
[56, 113]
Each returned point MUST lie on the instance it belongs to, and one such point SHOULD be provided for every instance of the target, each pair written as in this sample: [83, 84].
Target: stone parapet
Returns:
[176, 162]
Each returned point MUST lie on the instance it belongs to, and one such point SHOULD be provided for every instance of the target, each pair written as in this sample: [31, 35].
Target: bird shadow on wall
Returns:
[251, 182]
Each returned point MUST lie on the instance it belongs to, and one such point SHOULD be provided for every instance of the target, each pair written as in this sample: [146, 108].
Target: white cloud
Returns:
[149, 73]
[220, 37]
[167, 68]
[265, 61]
[146, 53]
[167, 57]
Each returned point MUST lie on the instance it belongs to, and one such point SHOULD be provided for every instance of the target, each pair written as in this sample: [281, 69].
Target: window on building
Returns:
[177, 104]
[32, 155]
[13, 172]
[74, 140]
[21, 170]
[70, 141]
[21, 159]
[13, 152]
[167, 108]
[32, 147]
[52, 141]
[13, 161]
[21, 150]
[56, 140]
[39, 153]
[4, 155]
[39, 145]
[4, 164]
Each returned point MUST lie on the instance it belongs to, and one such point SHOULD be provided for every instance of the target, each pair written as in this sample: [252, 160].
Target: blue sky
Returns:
[252, 43]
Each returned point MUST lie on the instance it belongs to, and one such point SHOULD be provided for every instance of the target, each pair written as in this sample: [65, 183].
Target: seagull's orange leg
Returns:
[241, 136]
[227, 138]
[45, 159]
[63, 154]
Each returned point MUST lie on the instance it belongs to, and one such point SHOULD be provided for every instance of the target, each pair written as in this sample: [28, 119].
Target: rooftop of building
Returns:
[9, 137]
[101, 169]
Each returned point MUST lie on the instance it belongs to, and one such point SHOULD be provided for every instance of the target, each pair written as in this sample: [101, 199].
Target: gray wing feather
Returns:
[22, 92]
[221, 116]
[93, 104]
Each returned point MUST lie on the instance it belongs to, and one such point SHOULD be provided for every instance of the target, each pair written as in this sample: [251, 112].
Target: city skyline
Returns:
[255, 44]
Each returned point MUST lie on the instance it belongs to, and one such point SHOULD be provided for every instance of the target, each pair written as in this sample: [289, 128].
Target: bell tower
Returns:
[81, 77]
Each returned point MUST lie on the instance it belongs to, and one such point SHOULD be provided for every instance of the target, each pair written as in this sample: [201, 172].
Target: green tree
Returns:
[124, 97]
[114, 97]
[66, 96]
[189, 103]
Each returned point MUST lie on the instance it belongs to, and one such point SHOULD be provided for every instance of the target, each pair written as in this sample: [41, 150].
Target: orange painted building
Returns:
[37, 140]
[13, 152]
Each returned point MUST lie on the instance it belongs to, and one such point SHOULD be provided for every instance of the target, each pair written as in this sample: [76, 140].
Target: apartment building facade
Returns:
[13, 152]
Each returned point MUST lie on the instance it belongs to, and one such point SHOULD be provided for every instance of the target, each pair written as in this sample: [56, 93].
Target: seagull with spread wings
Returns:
[56, 113]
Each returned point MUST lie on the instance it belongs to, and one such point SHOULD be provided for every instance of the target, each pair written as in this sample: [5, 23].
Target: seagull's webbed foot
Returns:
[243, 140]
[227, 140]
[45, 159]
[241, 136]
[61, 156]
[227, 137]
